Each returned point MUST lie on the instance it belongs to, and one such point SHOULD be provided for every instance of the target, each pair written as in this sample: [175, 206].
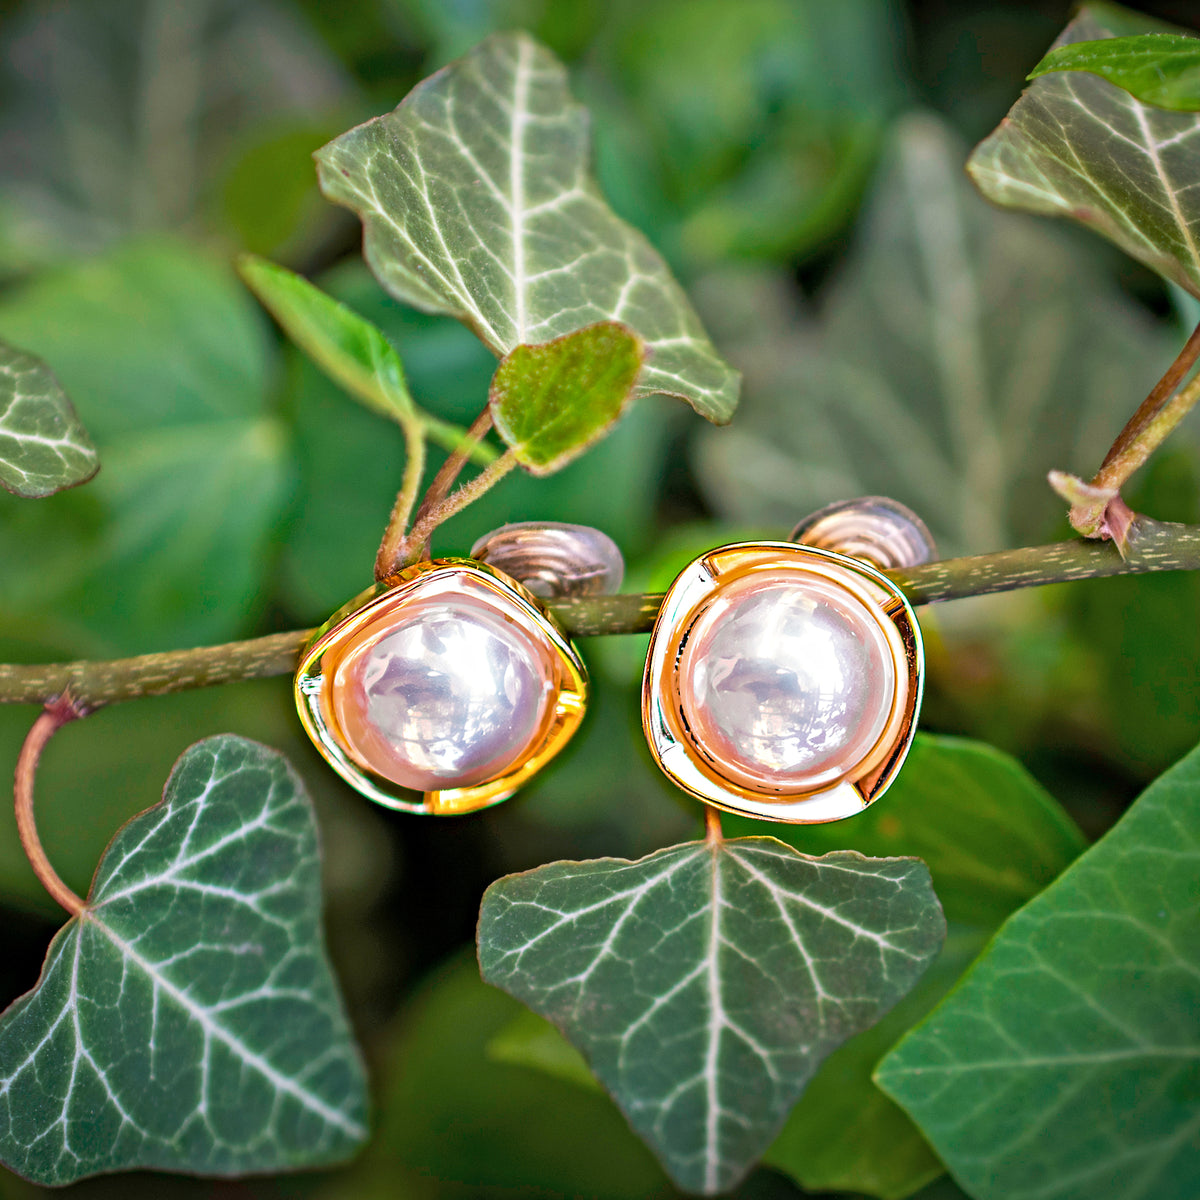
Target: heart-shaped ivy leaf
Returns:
[1064, 1065]
[1078, 146]
[43, 446]
[550, 402]
[705, 983]
[188, 1019]
[476, 202]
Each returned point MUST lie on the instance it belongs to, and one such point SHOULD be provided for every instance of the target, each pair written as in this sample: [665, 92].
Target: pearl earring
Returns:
[783, 680]
[445, 687]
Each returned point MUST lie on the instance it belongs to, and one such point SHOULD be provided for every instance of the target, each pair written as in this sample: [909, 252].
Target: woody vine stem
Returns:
[1150, 546]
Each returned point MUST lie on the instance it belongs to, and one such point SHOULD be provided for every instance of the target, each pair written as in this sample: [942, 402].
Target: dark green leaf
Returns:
[166, 358]
[989, 833]
[43, 445]
[476, 203]
[992, 839]
[188, 1019]
[551, 401]
[845, 1135]
[987, 346]
[454, 1124]
[1162, 69]
[1064, 1065]
[1079, 146]
[705, 983]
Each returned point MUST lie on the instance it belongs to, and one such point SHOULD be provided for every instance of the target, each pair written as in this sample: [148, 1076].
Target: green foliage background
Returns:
[146, 143]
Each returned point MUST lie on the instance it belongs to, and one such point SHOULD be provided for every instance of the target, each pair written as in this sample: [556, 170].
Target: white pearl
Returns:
[449, 699]
[786, 683]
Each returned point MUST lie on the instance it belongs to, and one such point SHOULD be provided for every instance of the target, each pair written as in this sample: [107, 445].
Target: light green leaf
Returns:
[551, 401]
[188, 1019]
[1162, 69]
[476, 202]
[347, 347]
[43, 445]
[531, 1041]
[1064, 1064]
[1076, 145]
[985, 344]
[166, 358]
[705, 983]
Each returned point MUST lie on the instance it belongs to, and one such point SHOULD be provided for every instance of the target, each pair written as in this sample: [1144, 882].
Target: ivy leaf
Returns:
[1079, 146]
[551, 401]
[188, 1020]
[1064, 1064]
[347, 347]
[476, 203]
[992, 838]
[1162, 69]
[167, 359]
[705, 983]
[986, 344]
[43, 445]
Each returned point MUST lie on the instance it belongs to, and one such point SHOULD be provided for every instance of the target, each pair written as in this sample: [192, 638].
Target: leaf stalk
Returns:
[57, 713]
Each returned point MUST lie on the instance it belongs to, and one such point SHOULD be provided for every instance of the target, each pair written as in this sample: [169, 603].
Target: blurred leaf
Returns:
[120, 114]
[269, 193]
[476, 203]
[769, 157]
[43, 445]
[549, 402]
[705, 983]
[984, 344]
[1162, 69]
[453, 1123]
[166, 360]
[1064, 1064]
[531, 1041]
[188, 1019]
[1076, 145]
[347, 347]
[1142, 633]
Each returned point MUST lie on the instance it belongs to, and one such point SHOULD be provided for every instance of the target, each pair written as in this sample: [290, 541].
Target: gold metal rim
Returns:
[374, 608]
[692, 768]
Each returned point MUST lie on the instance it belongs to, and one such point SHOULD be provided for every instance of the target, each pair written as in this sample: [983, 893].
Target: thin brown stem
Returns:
[392, 544]
[1150, 546]
[1118, 467]
[443, 481]
[417, 541]
[1159, 395]
[713, 834]
[56, 714]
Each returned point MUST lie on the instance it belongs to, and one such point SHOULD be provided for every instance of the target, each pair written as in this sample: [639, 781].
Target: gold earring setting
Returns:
[445, 687]
[783, 680]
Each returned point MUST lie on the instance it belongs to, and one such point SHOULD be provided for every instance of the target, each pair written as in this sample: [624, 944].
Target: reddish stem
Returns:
[55, 715]
[437, 491]
[713, 833]
[1149, 408]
